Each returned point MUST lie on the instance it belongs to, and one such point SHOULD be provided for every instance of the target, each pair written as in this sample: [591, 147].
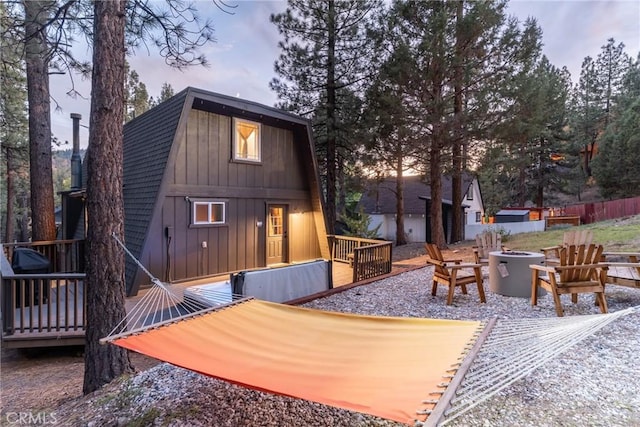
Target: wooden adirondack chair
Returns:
[574, 237]
[453, 273]
[579, 271]
[486, 242]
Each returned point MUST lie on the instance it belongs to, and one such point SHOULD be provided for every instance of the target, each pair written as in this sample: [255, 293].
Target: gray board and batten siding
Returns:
[180, 151]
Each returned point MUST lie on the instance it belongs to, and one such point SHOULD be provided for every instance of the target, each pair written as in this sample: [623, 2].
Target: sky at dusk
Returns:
[241, 62]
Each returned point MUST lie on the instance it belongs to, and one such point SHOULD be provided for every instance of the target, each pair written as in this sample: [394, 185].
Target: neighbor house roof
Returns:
[380, 196]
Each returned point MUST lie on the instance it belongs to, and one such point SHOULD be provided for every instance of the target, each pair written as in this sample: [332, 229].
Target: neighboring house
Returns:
[215, 184]
[379, 202]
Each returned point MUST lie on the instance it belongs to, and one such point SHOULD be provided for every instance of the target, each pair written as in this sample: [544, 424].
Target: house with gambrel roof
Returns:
[215, 184]
[379, 202]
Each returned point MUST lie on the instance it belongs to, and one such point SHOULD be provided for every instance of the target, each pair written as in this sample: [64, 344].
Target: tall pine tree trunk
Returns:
[438, 133]
[435, 178]
[457, 226]
[401, 238]
[105, 285]
[10, 226]
[331, 119]
[43, 221]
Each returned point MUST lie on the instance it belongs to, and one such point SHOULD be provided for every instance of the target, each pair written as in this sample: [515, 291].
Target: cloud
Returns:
[573, 30]
[242, 59]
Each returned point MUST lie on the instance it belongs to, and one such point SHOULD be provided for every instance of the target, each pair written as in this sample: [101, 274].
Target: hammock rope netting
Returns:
[412, 370]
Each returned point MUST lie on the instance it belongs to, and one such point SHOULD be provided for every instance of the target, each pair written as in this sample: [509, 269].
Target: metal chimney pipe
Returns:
[76, 161]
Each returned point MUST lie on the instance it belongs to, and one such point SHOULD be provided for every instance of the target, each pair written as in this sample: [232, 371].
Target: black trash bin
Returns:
[29, 261]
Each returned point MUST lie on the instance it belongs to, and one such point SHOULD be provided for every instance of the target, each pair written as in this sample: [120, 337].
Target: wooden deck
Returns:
[342, 274]
[59, 319]
[44, 312]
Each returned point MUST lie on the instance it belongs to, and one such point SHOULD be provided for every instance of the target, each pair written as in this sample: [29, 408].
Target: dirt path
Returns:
[36, 379]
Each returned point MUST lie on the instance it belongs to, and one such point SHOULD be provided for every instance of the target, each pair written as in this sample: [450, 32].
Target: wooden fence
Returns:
[601, 211]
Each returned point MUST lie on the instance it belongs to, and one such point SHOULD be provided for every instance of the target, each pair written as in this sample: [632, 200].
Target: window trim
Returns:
[209, 203]
[234, 141]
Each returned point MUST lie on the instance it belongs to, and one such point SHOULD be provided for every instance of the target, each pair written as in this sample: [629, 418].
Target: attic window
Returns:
[246, 140]
[470, 193]
[206, 212]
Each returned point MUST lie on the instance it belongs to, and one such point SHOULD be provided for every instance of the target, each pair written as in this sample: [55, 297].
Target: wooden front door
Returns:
[276, 234]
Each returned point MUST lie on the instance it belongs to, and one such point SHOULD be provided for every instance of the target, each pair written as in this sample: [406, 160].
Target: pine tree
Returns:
[458, 56]
[616, 165]
[37, 58]
[549, 135]
[13, 127]
[105, 207]
[612, 64]
[588, 113]
[527, 140]
[137, 99]
[166, 92]
[178, 43]
[325, 51]
[390, 141]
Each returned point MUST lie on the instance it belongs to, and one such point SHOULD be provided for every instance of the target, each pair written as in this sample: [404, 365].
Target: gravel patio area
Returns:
[595, 383]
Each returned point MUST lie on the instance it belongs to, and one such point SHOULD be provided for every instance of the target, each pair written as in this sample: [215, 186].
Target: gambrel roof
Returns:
[149, 144]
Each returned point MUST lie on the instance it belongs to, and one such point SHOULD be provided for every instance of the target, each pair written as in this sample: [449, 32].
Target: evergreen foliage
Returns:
[325, 60]
[616, 165]
[359, 225]
[137, 99]
[519, 166]
[14, 152]
[455, 62]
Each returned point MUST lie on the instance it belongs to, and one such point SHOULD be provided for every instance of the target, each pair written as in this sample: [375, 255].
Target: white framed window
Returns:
[208, 212]
[470, 193]
[246, 141]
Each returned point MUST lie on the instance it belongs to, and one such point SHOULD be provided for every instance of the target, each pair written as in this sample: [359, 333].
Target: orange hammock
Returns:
[384, 366]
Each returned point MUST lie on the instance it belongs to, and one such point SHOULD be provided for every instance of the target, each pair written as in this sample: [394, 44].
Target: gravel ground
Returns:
[595, 383]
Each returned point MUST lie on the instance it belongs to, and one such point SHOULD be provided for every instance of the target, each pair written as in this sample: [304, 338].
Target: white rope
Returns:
[163, 302]
[515, 348]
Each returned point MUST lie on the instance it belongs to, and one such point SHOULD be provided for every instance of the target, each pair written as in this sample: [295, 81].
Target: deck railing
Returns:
[371, 261]
[344, 246]
[49, 303]
[65, 256]
[369, 258]
[43, 309]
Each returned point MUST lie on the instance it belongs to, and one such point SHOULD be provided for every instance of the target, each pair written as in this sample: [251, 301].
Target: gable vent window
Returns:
[246, 141]
[470, 193]
[205, 213]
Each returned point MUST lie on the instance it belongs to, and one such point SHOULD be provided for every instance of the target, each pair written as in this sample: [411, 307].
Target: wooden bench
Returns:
[623, 268]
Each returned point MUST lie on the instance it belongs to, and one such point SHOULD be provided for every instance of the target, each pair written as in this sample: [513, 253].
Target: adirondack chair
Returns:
[453, 273]
[574, 237]
[579, 271]
[486, 242]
